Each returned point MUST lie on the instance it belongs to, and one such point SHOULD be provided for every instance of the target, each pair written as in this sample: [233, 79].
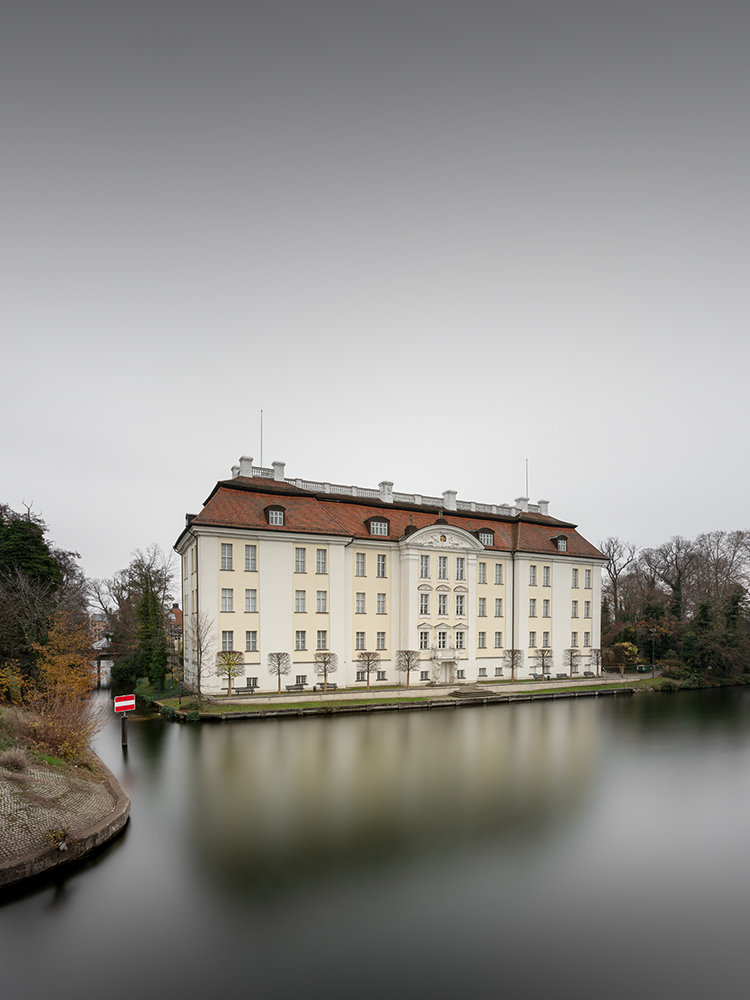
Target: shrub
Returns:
[14, 760]
[167, 711]
[669, 686]
[193, 715]
[125, 671]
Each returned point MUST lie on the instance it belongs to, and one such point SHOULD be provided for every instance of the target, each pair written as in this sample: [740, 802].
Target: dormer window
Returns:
[487, 537]
[275, 515]
[377, 525]
[561, 542]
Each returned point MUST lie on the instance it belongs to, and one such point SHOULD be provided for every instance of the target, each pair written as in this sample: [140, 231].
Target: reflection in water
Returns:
[275, 800]
[528, 849]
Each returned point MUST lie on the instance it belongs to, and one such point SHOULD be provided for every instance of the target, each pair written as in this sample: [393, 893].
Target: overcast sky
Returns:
[430, 240]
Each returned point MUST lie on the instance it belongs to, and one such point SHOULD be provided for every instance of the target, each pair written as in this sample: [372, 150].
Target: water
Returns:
[589, 848]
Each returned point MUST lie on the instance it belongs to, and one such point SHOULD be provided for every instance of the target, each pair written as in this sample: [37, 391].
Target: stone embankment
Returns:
[51, 815]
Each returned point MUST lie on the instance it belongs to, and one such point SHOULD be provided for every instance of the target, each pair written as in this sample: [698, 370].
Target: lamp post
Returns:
[653, 665]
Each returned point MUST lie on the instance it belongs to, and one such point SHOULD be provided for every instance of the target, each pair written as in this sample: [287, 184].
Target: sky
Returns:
[431, 241]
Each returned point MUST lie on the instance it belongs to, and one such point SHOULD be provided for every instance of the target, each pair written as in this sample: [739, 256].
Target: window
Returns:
[251, 642]
[360, 605]
[482, 573]
[378, 527]
[498, 607]
[226, 555]
[498, 640]
[299, 601]
[424, 640]
[574, 609]
[300, 641]
[227, 642]
[532, 576]
[442, 640]
[587, 638]
[482, 640]
[460, 605]
[575, 578]
[545, 609]
[486, 537]
[483, 671]
[380, 640]
[442, 604]
[359, 640]
[275, 515]
[573, 639]
[227, 599]
[424, 675]
[301, 679]
[380, 675]
[587, 609]
[381, 567]
[562, 544]
[460, 568]
[442, 567]
[482, 607]
[299, 560]
[360, 564]
[381, 604]
[587, 579]
[532, 608]
[360, 675]
[424, 604]
[460, 674]
[424, 567]
[545, 640]
[252, 682]
[251, 562]
[322, 639]
[321, 561]
[498, 573]
[532, 640]
[251, 601]
[498, 671]
[321, 602]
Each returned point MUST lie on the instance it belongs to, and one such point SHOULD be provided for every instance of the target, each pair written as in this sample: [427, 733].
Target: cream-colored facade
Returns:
[279, 565]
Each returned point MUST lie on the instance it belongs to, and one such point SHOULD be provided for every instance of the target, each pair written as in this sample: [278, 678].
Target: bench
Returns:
[541, 677]
[295, 687]
[331, 686]
[588, 673]
[561, 677]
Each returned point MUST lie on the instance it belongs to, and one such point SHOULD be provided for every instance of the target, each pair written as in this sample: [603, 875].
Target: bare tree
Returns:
[199, 638]
[279, 664]
[230, 663]
[543, 657]
[325, 663]
[407, 660]
[619, 555]
[570, 660]
[368, 661]
[596, 660]
[515, 661]
[720, 565]
[673, 563]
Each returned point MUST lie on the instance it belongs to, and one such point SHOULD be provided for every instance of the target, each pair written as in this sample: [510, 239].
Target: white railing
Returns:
[258, 470]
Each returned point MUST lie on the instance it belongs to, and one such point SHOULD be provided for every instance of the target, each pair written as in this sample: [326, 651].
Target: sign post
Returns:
[125, 703]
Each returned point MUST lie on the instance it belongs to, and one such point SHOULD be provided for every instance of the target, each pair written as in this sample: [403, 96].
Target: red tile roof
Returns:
[240, 503]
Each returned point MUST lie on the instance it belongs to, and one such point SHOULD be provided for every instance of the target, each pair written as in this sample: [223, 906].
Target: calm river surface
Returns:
[589, 848]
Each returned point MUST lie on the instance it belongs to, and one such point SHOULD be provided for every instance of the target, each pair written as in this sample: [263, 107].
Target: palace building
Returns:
[273, 564]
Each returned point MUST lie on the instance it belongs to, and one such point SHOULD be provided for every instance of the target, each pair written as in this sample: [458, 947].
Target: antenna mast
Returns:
[261, 439]
[527, 477]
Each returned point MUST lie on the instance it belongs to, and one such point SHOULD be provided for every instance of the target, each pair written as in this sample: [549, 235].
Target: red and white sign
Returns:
[125, 703]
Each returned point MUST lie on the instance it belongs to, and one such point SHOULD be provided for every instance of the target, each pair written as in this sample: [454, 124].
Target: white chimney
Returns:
[522, 503]
[543, 506]
[278, 471]
[235, 471]
[246, 466]
[449, 499]
[386, 491]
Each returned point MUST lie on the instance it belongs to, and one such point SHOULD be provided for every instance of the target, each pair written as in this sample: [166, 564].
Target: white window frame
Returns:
[587, 579]
[359, 564]
[301, 679]
[322, 639]
[424, 604]
[227, 640]
[486, 537]
[424, 639]
[482, 572]
[380, 571]
[380, 640]
[227, 599]
[545, 640]
[378, 528]
[587, 639]
[460, 567]
[574, 579]
[424, 567]
[251, 600]
[498, 574]
[251, 558]
[498, 640]
[227, 558]
[321, 602]
[359, 607]
[532, 576]
[532, 640]
[251, 641]
[481, 640]
[300, 640]
[442, 640]
[545, 576]
[573, 640]
[442, 567]
[498, 607]
[574, 609]
[381, 604]
[587, 609]
[276, 517]
[442, 605]
[460, 605]
[532, 607]
[545, 608]
[300, 602]
[482, 607]
[321, 562]
[300, 560]
[359, 640]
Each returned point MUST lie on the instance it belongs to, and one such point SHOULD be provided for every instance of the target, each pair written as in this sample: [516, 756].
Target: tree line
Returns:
[685, 600]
